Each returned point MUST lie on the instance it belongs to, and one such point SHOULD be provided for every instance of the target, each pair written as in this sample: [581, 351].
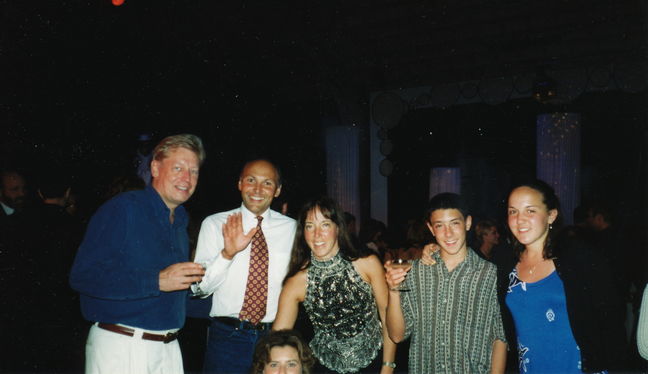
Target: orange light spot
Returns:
[117, 2]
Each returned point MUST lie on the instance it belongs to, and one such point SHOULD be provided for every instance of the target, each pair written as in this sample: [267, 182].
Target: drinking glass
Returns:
[402, 263]
[195, 286]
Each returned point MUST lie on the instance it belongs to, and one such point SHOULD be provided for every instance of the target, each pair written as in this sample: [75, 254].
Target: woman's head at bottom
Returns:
[282, 351]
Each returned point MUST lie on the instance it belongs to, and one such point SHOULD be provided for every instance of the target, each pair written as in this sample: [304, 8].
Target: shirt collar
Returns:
[8, 210]
[163, 211]
[249, 217]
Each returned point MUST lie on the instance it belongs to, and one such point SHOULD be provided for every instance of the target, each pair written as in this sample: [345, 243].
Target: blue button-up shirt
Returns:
[129, 240]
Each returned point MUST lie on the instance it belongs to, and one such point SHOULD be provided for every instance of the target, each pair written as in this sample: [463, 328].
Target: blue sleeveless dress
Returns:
[545, 340]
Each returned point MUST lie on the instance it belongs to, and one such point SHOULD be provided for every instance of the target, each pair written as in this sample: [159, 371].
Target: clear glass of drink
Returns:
[195, 286]
[405, 264]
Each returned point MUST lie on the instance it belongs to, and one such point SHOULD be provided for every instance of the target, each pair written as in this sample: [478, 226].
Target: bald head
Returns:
[259, 183]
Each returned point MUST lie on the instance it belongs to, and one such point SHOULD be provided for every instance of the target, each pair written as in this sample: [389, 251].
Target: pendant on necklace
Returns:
[534, 266]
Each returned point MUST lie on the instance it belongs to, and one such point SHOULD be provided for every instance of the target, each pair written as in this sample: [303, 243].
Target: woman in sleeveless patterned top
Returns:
[344, 294]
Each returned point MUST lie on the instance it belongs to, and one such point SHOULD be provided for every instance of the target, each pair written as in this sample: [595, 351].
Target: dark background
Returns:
[493, 145]
[81, 80]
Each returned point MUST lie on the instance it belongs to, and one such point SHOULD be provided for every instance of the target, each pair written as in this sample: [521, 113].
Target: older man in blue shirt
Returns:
[132, 271]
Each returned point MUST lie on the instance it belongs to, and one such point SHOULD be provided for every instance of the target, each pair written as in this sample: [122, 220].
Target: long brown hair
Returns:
[301, 252]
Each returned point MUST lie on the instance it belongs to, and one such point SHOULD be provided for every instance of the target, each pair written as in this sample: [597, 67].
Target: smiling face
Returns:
[259, 185]
[528, 217]
[176, 176]
[321, 235]
[283, 359]
[449, 228]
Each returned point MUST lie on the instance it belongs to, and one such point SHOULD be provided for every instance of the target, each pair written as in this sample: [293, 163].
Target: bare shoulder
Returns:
[369, 261]
[296, 285]
[369, 266]
[297, 279]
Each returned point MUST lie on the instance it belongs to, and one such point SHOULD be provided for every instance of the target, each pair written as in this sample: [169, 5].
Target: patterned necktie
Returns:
[256, 291]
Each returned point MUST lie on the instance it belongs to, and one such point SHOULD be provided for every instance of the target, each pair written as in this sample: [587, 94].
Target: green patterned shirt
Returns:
[453, 318]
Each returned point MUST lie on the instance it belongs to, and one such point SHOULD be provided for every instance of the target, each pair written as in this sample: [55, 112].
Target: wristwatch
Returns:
[389, 364]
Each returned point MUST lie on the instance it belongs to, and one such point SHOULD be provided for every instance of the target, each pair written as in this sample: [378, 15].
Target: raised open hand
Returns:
[234, 237]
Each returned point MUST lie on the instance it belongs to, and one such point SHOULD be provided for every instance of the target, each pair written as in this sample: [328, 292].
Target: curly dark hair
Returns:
[281, 338]
[301, 252]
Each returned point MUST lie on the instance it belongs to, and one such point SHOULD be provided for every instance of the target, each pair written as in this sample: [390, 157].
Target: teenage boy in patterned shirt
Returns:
[450, 309]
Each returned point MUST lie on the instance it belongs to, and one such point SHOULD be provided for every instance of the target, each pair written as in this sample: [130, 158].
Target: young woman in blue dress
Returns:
[558, 303]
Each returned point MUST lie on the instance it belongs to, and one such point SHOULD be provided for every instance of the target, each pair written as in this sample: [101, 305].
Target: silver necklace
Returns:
[534, 266]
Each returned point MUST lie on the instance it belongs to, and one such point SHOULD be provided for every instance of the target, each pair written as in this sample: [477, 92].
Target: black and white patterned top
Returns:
[342, 309]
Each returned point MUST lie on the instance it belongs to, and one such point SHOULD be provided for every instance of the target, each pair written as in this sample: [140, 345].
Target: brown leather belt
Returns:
[167, 338]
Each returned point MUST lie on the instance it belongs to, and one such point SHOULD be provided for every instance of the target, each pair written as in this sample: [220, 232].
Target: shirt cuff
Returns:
[215, 273]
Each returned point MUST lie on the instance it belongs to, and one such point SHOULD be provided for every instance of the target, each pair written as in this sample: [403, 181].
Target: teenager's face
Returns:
[449, 228]
[283, 359]
[528, 217]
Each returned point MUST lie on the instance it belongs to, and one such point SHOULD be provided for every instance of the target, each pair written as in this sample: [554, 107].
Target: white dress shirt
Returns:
[227, 279]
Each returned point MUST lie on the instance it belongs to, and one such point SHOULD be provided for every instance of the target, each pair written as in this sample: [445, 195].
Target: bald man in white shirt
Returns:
[225, 245]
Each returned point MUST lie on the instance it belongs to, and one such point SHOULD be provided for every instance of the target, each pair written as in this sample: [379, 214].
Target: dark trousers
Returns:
[230, 349]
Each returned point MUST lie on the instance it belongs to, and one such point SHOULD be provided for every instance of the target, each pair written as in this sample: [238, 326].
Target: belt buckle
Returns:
[259, 326]
[170, 336]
